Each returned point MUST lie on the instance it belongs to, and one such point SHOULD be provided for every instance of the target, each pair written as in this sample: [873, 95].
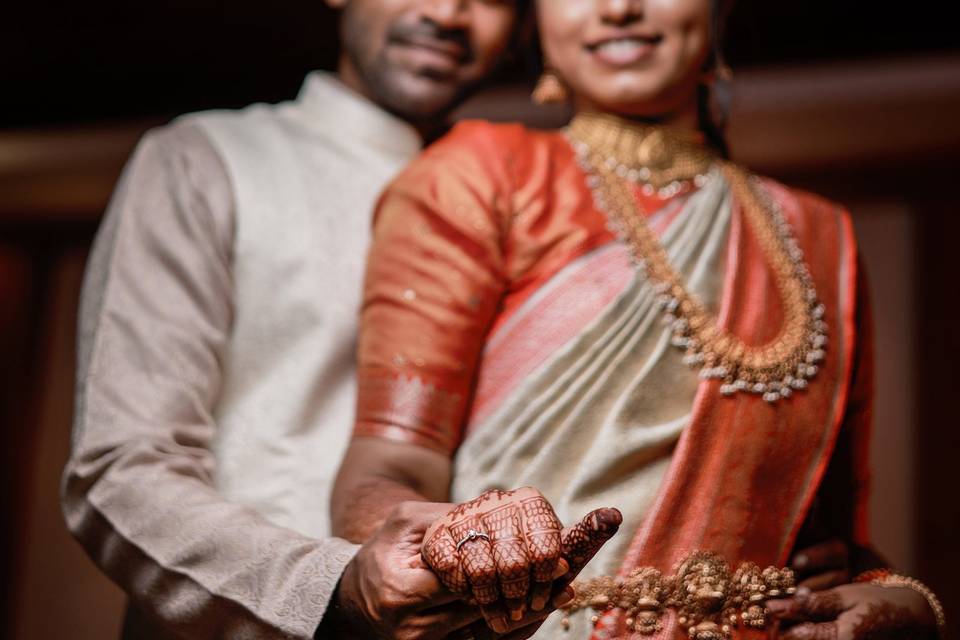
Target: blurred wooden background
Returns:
[861, 107]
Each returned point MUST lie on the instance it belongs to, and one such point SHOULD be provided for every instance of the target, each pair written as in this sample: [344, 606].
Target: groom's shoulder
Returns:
[249, 123]
[243, 116]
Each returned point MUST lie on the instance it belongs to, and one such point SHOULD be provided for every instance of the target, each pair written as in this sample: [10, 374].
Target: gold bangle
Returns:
[884, 578]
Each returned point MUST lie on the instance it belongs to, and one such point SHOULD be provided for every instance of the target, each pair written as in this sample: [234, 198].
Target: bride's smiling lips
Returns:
[622, 49]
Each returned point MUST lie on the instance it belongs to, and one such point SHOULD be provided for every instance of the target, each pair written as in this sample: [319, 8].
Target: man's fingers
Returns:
[563, 597]
[428, 587]
[524, 633]
[441, 555]
[819, 606]
[504, 527]
[496, 617]
[480, 631]
[828, 580]
[812, 631]
[542, 536]
[437, 622]
[581, 542]
[540, 595]
[476, 631]
[525, 628]
[516, 630]
[831, 555]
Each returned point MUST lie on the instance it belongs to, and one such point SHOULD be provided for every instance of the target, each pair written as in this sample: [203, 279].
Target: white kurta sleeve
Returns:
[138, 491]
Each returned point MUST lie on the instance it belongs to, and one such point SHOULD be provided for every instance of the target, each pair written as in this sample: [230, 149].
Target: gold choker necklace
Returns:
[612, 152]
[649, 155]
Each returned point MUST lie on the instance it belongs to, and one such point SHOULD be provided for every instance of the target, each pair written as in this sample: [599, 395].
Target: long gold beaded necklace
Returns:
[614, 153]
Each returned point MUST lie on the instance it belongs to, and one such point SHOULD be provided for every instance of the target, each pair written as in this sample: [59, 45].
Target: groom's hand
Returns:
[508, 552]
[388, 592]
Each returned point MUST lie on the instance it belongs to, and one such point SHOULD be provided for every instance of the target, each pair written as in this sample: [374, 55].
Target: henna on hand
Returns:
[544, 545]
[885, 621]
[500, 541]
[476, 558]
[584, 539]
[813, 631]
[809, 607]
[860, 611]
[440, 554]
[509, 551]
[505, 548]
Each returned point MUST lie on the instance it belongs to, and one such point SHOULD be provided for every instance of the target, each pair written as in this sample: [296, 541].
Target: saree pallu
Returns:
[504, 324]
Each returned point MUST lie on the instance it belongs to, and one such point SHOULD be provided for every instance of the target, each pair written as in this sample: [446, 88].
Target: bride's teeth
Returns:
[620, 46]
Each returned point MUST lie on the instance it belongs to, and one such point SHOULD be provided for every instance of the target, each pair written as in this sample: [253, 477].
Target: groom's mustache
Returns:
[429, 35]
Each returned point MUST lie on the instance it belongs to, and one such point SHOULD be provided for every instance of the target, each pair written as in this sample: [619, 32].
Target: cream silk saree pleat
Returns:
[595, 423]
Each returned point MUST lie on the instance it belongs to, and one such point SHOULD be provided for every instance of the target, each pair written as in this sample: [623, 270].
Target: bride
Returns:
[616, 314]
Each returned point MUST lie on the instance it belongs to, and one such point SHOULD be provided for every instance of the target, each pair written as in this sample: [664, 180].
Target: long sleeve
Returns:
[138, 491]
[435, 277]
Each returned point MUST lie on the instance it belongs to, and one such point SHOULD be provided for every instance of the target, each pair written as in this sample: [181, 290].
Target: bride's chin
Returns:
[629, 106]
[636, 101]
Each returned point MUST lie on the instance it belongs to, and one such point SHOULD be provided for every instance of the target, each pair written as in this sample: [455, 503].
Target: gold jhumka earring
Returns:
[550, 89]
[719, 92]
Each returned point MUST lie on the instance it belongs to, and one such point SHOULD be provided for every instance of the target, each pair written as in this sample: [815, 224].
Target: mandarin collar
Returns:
[338, 109]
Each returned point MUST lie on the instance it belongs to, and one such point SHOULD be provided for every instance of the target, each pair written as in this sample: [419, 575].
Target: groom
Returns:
[215, 381]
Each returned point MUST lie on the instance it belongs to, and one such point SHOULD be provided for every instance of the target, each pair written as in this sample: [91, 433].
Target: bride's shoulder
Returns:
[813, 218]
[493, 140]
[800, 203]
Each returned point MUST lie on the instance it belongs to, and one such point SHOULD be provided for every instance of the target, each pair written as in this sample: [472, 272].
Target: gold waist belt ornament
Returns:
[709, 598]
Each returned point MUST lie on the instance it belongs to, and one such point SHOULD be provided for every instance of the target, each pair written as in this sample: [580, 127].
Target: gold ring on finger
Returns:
[472, 534]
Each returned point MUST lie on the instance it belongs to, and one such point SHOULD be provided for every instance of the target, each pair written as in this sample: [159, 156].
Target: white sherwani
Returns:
[216, 373]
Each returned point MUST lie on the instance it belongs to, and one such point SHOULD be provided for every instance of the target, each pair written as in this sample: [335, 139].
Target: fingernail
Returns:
[499, 625]
[803, 592]
[801, 560]
[538, 603]
[563, 598]
[608, 519]
[517, 614]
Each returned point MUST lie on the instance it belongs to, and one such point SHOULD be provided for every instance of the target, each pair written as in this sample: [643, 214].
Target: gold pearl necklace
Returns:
[614, 153]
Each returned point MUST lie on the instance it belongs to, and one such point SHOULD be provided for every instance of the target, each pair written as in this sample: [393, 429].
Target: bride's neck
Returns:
[687, 117]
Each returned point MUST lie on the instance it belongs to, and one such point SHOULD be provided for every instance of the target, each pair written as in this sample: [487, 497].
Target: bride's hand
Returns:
[855, 612]
[506, 550]
[822, 566]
